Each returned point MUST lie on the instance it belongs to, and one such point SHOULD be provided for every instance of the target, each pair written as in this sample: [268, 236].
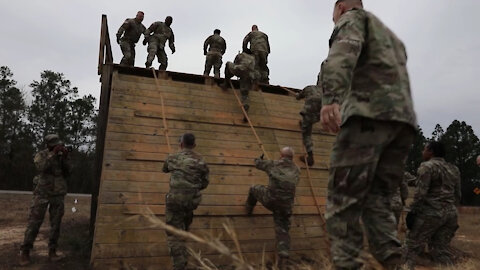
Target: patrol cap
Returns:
[52, 140]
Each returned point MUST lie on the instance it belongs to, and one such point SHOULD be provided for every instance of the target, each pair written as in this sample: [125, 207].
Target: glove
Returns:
[262, 156]
[118, 40]
[173, 50]
[145, 41]
[204, 52]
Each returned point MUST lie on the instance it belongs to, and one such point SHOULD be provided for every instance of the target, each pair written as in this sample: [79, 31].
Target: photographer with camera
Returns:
[53, 166]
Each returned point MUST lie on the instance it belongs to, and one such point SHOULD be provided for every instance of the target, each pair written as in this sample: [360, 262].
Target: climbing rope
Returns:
[165, 127]
[249, 122]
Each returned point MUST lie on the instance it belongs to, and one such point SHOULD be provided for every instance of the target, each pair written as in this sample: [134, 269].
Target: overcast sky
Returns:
[441, 36]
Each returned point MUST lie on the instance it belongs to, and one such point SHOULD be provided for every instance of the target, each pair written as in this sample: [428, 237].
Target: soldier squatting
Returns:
[362, 94]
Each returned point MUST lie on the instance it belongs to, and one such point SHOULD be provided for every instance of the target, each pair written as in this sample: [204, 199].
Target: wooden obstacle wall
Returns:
[133, 184]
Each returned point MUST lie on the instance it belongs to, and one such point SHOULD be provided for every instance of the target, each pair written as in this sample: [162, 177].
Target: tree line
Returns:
[56, 107]
[51, 106]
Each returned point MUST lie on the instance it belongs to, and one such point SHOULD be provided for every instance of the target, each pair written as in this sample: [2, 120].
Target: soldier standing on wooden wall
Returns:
[128, 34]
[156, 36]
[189, 175]
[216, 46]
[260, 48]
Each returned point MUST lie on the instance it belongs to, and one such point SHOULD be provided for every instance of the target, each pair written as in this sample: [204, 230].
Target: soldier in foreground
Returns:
[243, 67]
[400, 196]
[156, 36]
[131, 30]
[216, 46]
[310, 115]
[260, 48]
[53, 165]
[365, 78]
[278, 196]
[433, 212]
[189, 175]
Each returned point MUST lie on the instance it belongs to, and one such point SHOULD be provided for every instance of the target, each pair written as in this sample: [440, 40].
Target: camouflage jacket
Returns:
[189, 170]
[258, 42]
[161, 33]
[216, 43]
[131, 30]
[438, 187]
[401, 194]
[52, 169]
[366, 71]
[283, 177]
[244, 66]
[313, 99]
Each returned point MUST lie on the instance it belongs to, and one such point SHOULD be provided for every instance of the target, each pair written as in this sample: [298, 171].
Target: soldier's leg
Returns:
[424, 227]
[245, 87]
[378, 217]
[208, 65]
[282, 226]
[257, 193]
[162, 59]
[56, 211]
[440, 241]
[175, 216]
[152, 51]
[126, 48]
[216, 66]
[37, 213]
[264, 71]
[132, 52]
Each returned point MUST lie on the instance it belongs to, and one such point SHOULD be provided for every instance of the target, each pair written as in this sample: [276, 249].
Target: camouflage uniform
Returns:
[399, 197]
[156, 43]
[243, 67]
[260, 48]
[310, 113]
[49, 192]
[365, 72]
[214, 55]
[131, 30]
[277, 197]
[189, 176]
[435, 222]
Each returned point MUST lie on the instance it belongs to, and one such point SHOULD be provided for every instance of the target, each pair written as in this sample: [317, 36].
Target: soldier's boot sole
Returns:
[24, 259]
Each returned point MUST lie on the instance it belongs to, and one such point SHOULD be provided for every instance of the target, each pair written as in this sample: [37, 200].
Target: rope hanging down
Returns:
[317, 204]
[249, 122]
[165, 127]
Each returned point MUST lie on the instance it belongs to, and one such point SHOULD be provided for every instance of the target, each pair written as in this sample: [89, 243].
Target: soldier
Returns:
[243, 67]
[310, 115]
[278, 196]
[433, 208]
[189, 176]
[365, 74]
[216, 48]
[400, 197]
[131, 30]
[53, 165]
[157, 35]
[260, 48]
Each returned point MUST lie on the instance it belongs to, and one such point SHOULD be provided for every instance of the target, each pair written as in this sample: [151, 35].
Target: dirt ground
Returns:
[74, 246]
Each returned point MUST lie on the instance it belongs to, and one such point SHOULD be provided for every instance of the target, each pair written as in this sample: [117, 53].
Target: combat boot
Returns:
[25, 258]
[309, 160]
[249, 209]
[52, 255]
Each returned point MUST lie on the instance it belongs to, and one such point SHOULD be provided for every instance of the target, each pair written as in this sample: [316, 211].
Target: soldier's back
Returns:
[216, 42]
[188, 170]
[133, 29]
[258, 41]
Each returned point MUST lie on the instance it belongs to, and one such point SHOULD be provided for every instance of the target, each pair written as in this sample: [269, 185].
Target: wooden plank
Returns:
[111, 236]
[126, 250]
[118, 197]
[208, 222]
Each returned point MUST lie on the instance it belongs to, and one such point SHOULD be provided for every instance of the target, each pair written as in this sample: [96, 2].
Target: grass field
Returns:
[75, 247]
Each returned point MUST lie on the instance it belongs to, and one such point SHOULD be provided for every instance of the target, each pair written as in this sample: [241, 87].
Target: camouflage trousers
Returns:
[308, 119]
[156, 48]
[261, 61]
[179, 206]
[213, 59]
[437, 231]
[38, 208]
[246, 83]
[128, 50]
[282, 211]
[367, 163]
